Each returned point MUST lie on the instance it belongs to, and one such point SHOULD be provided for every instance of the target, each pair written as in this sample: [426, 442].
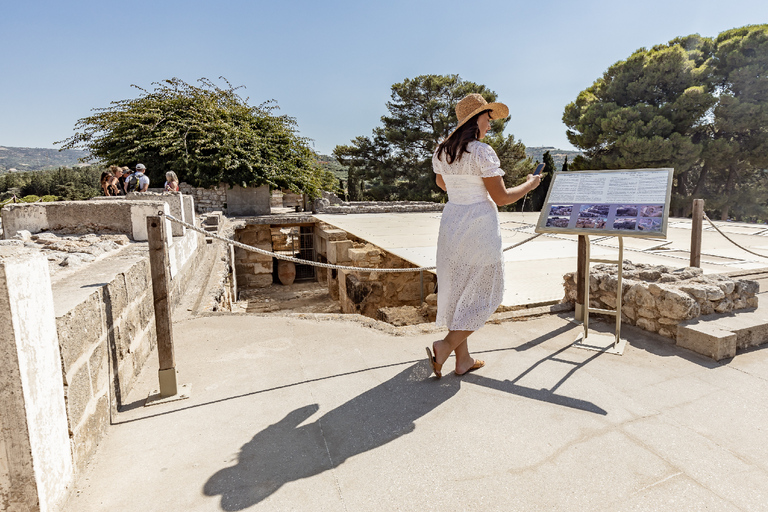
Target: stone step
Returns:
[720, 336]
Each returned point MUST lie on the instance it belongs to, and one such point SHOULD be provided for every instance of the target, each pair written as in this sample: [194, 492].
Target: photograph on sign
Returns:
[632, 202]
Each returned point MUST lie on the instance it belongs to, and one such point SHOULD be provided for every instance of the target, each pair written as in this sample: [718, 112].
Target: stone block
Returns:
[648, 324]
[668, 333]
[747, 287]
[338, 252]
[402, 315]
[138, 279]
[750, 327]
[608, 300]
[333, 235]
[87, 437]
[678, 304]
[724, 306]
[81, 328]
[647, 312]
[78, 394]
[258, 280]
[629, 312]
[115, 298]
[714, 293]
[98, 369]
[707, 339]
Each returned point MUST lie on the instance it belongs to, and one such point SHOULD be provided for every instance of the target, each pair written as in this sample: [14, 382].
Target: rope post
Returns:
[696, 222]
[159, 265]
[421, 286]
[581, 272]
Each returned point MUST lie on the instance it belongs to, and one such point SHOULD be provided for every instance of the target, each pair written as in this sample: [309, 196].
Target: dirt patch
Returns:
[296, 298]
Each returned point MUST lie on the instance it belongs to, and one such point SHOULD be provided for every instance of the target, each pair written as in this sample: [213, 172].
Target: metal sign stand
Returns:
[603, 342]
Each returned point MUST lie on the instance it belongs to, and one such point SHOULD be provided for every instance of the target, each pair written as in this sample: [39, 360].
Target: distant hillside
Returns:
[36, 159]
[329, 163]
[558, 155]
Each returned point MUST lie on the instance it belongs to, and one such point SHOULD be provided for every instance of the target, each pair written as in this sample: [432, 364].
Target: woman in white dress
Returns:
[470, 262]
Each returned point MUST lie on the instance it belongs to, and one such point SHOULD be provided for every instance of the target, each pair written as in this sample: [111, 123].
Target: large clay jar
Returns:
[286, 272]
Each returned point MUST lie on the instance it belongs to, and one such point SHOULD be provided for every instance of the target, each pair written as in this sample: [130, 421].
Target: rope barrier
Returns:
[309, 262]
[734, 243]
[417, 269]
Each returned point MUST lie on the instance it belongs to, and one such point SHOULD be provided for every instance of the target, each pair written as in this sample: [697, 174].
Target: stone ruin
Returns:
[657, 298]
[68, 250]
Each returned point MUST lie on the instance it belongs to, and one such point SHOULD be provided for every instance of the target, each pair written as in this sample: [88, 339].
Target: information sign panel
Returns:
[612, 203]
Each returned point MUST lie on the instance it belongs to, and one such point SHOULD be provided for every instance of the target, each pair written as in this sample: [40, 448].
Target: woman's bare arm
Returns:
[502, 195]
[440, 181]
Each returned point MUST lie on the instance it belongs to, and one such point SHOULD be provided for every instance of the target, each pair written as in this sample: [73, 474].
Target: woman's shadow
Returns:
[285, 452]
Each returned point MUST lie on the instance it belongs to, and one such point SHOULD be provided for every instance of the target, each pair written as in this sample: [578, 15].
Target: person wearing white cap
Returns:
[470, 262]
[137, 182]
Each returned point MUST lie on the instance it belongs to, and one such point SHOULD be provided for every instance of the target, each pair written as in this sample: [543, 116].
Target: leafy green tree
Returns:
[395, 163]
[645, 111]
[697, 104]
[206, 134]
[737, 151]
[64, 183]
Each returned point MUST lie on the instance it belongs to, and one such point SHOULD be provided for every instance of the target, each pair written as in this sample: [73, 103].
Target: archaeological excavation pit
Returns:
[270, 284]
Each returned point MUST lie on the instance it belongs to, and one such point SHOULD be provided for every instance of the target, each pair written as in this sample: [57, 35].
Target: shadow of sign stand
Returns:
[169, 391]
[626, 202]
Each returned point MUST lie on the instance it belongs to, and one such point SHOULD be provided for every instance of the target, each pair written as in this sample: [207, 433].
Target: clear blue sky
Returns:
[329, 64]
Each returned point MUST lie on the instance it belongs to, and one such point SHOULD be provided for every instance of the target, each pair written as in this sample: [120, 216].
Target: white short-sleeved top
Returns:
[464, 178]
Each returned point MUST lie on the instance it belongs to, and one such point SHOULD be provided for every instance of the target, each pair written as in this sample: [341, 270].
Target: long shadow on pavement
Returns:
[285, 452]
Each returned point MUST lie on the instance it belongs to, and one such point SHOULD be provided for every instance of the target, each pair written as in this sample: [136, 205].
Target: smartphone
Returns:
[538, 170]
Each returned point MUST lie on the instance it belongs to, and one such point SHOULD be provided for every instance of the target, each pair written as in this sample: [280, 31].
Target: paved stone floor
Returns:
[292, 413]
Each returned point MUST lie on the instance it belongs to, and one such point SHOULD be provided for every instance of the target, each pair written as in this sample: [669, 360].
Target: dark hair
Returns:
[456, 145]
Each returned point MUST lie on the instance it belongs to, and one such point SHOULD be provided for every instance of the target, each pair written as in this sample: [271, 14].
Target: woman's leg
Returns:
[456, 341]
[444, 347]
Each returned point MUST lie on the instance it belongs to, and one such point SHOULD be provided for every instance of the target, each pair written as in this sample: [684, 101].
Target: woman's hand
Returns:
[533, 181]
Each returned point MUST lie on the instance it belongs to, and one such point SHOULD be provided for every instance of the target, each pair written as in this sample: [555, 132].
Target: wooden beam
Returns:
[160, 268]
[581, 270]
[696, 223]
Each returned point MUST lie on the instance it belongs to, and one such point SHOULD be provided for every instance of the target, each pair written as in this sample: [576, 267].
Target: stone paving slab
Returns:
[298, 414]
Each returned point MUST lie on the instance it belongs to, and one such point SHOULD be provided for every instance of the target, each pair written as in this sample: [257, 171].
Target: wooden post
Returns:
[159, 265]
[581, 271]
[696, 222]
[234, 272]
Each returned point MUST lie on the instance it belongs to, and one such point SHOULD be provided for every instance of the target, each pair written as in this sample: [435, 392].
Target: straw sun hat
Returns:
[472, 104]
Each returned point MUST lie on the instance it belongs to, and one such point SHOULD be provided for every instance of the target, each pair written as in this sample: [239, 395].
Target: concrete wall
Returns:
[35, 457]
[103, 217]
[175, 201]
[248, 201]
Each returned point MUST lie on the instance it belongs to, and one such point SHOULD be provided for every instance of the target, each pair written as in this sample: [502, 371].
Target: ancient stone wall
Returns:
[368, 292]
[207, 199]
[253, 270]
[106, 339]
[658, 298]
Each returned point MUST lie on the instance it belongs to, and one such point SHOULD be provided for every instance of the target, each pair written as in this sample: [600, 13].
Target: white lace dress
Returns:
[470, 262]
